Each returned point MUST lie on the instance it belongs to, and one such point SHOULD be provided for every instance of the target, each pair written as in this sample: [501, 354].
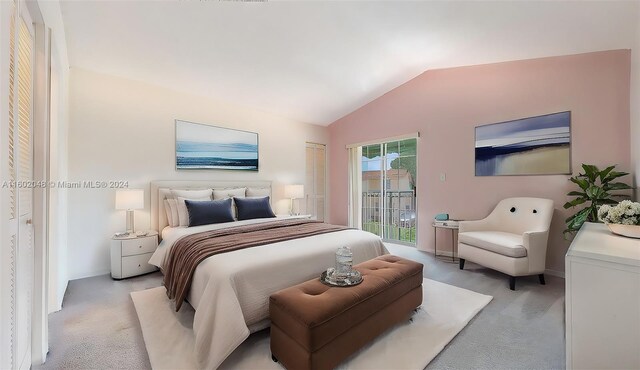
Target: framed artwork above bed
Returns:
[205, 147]
[538, 145]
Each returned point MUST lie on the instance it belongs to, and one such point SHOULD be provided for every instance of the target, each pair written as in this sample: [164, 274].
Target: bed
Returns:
[230, 292]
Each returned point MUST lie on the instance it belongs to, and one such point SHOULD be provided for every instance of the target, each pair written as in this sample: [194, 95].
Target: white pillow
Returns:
[230, 193]
[183, 212]
[173, 205]
[167, 210]
[181, 208]
[258, 192]
[188, 194]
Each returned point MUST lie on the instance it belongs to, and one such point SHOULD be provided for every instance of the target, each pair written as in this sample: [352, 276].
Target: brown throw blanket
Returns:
[190, 250]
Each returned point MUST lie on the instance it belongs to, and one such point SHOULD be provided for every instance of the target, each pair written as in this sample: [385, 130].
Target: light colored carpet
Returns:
[445, 311]
[521, 329]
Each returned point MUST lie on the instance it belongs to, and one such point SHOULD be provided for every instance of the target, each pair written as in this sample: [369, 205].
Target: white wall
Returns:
[124, 130]
[635, 107]
[58, 275]
[58, 154]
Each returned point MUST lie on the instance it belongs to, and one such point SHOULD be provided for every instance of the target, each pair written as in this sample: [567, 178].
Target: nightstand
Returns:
[293, 216]
[130, 255]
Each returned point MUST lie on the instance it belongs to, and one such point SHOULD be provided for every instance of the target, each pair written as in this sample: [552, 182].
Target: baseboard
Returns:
[426, 250]
[444, 253]
[90, 274]
[57, 308]
[556, 273]
[64, 292]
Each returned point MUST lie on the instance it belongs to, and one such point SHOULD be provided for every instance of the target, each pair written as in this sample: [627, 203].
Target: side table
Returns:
[454, 247]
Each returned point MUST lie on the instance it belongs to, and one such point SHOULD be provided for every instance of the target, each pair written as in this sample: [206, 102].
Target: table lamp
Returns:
[293, 192]
[129, 200]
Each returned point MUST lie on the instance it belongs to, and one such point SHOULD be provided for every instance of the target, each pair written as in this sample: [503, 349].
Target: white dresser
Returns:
[130, 255]
[602, 300]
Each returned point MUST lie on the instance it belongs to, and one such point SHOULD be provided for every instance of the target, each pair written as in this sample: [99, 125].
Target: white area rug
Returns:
[445, 311]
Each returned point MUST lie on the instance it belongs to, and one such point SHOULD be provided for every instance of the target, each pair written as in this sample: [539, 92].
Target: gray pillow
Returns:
[207, 212]
[250, 208]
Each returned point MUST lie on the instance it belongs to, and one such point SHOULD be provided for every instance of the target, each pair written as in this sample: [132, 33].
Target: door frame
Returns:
[41, 165]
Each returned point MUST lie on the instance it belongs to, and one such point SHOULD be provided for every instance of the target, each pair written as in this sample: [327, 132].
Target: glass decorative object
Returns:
[343, 274]
[344, 261]
[329, 278]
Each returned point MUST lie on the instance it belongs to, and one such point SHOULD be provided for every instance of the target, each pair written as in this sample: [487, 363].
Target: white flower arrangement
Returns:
[625, 213]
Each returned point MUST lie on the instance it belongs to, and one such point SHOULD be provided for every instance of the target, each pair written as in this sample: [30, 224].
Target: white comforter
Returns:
[230, 292]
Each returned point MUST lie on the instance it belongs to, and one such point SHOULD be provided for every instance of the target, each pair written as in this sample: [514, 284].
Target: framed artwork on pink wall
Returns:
[539, 145]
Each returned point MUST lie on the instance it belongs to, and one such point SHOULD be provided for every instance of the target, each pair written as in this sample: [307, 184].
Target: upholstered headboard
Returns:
[160, 190]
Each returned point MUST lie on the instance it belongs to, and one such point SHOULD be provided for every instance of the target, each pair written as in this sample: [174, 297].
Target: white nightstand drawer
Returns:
[132, 247]
[130, 255]
[136, 265]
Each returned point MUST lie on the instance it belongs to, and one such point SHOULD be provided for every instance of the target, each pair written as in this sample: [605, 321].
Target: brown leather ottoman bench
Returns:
[315, 326]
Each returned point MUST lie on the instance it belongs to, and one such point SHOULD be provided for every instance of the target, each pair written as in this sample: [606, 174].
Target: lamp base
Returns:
[291, 213]
[130, 221]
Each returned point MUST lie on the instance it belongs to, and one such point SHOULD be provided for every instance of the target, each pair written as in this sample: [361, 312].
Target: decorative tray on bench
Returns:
[333, 279]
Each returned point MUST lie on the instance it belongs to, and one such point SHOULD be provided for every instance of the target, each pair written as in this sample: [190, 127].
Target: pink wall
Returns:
[445, 106]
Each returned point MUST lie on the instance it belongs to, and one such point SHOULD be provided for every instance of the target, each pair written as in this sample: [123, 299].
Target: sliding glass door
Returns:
[389, 190]
[372, 192]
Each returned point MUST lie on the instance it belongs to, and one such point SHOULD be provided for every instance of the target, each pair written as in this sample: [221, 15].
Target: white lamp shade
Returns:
[294, 191]
[130, 199]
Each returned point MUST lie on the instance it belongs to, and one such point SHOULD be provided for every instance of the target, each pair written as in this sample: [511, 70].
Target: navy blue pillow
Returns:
[205, 212]
[250, 208]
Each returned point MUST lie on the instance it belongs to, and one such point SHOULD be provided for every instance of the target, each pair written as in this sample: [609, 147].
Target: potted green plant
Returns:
[595, 190]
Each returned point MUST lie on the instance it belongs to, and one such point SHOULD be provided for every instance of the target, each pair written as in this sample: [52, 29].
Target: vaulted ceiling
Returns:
[318, 61]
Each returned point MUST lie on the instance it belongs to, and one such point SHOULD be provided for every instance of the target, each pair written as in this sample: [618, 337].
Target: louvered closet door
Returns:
[21, 198]
[10, 208]
[315, 180]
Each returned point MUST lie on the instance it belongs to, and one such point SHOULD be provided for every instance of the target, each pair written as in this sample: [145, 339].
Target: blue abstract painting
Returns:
[200, 146]
[538, 145]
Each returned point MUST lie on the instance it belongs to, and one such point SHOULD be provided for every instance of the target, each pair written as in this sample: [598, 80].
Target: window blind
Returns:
[25, 160]
[11, 131]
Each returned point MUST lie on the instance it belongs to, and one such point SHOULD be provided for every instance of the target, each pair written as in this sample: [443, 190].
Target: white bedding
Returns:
[230, 292]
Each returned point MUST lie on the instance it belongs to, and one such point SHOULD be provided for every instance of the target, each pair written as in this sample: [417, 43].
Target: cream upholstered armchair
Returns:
[512, 239]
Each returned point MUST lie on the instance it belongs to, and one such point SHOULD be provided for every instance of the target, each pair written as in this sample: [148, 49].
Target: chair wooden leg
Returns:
[461, 263]
[541, 278]
[512, 282]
